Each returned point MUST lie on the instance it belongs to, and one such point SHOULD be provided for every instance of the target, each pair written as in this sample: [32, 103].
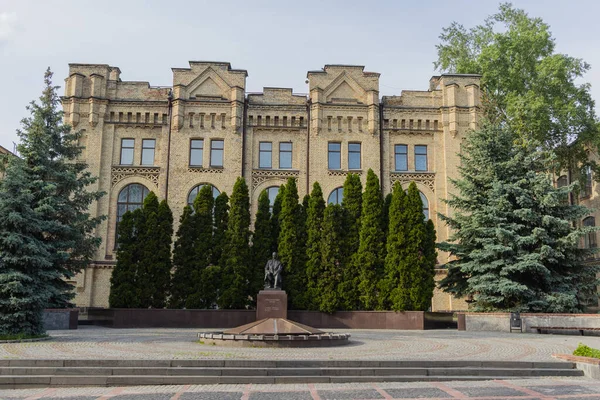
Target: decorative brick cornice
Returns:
[201, 170]
[261, 175]
[118, 173]
[343, 173]
[425, 178]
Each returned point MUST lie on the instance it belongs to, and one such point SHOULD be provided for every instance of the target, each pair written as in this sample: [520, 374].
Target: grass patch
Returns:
[586, 351]
[22, 336]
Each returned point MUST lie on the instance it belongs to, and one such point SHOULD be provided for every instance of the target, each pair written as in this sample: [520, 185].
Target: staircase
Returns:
[53, 373]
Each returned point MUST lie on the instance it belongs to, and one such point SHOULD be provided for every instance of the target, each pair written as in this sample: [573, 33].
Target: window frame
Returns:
[419, 155]
[290, 151]
[132, 148]
[339, 197]
[396, 154]
[262, 153]
[353, 153]
[331, 152]
[214, 149]
[145, 149]
[589, 240]
[201, 152]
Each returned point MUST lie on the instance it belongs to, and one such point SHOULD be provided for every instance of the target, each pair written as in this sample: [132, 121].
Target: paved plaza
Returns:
[106, 343]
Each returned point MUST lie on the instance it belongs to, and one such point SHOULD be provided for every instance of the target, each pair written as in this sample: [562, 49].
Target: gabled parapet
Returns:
[344, 84]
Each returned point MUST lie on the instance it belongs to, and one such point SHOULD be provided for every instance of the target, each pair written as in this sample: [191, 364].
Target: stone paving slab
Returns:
[489, 390]
[89, 342]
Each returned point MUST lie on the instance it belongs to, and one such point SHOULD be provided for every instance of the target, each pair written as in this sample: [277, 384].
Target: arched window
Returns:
[590, 238]
[196, 189]
[272, 192]
[336, 196]
[425, 205]
[562, 181]
[131, 197]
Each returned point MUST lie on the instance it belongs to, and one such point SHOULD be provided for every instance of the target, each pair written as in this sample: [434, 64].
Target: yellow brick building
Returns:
[206, 130]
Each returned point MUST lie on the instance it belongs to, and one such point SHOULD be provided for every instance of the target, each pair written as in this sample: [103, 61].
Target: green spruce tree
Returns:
[262, 242]
[147, 242]
[352, 207]
[314, 227]
[124, 285]
[235, 263]
[161, 260]
[184, 260]
[291, 250]
[514, 240]
[333, 256]
[370, 256]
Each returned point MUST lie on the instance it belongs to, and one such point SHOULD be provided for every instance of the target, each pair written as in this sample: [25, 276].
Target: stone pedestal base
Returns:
[271, 304]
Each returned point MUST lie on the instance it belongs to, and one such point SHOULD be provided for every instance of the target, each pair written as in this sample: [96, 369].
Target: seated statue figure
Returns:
[273, 273]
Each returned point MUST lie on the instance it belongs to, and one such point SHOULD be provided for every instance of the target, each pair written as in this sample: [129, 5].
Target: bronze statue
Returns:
[273, 273]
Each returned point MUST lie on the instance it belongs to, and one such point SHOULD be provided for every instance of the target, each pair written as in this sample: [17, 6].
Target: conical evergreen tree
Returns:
[291, 250]
[123, 288]
[203, 245]
[514, 241]
[396, 283]
[262, 242]
[421, 283]
[161, 259]
[369, 258]
[275, 224]
[236, 276]
[184, 259]
[221, 217]
[333, 258]
[314, 227]
[387, 201]
[430, 255]
[352, 207]
[147, 242]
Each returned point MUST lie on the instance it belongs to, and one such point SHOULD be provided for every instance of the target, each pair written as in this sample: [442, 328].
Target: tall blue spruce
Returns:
[515, 243]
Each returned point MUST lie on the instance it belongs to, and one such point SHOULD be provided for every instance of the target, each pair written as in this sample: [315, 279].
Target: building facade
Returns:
[206, 130]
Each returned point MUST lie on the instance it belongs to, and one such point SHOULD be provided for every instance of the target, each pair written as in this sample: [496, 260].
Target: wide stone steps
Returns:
[47, 373]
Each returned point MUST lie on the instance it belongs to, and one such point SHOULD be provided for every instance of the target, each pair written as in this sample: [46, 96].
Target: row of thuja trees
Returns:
[367, 253]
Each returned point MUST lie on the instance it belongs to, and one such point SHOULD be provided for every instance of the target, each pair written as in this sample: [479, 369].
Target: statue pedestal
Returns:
[271, 303]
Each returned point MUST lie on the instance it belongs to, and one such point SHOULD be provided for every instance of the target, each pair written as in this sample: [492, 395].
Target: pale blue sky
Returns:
[276, 41]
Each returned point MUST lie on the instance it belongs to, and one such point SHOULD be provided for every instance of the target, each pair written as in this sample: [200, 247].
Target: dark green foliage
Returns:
[526, 84]
[514, 241]
[46, 233]
[585, 351]
[386, 212]
[421, 271]
[369, 258]
[352, 208]
[291, 251]
[183, 259]
[235, 263]
[124, 285]
[314, 227]
[147, 242]
[394, 288]
[221, 217]
[161, 259]
[262, 242]
[333, 256]
[428, 266]
[275, 225]
[26, 263]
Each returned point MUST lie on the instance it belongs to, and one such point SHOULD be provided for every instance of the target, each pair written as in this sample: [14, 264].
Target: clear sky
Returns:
[276, 41]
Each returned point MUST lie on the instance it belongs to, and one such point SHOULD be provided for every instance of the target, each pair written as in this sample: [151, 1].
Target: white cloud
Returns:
[8, 22]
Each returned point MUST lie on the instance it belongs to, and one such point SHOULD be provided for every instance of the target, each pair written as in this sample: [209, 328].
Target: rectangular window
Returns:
[334, 159]
[401, 157]
[590, 237]
[285, 155]
[353, 155]
[420, 158]
[587, 190]
[196, 149]
[127, 151]
[264, 154]
[216, 153]
[148, 146]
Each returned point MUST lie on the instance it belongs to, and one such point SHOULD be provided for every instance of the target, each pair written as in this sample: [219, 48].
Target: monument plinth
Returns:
[271, 304]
